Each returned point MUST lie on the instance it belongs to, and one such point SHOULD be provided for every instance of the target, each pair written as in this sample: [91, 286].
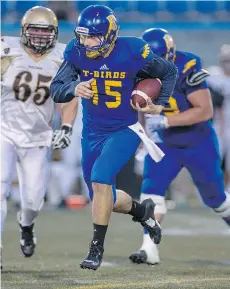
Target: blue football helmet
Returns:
[99, 21]
[160, 42]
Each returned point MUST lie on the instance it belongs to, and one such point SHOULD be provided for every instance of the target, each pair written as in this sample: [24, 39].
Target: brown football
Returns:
[150, 87]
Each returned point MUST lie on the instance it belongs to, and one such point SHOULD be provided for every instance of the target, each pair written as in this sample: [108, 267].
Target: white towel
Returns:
[155, 152]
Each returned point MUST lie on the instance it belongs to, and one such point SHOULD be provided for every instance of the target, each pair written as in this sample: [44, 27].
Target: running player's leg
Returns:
[156, 179]
[33, 173]
[204, 165]
[118, 148]
[8, 163]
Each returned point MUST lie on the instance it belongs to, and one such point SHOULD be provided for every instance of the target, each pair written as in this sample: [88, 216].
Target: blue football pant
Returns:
[202, 161]
[105, 155]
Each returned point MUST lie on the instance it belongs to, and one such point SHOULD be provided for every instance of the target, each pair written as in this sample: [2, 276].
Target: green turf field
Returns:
[195, 253]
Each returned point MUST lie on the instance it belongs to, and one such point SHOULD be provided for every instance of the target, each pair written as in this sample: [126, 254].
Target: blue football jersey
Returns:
[114, 76]
[186, 63]
[110, 109]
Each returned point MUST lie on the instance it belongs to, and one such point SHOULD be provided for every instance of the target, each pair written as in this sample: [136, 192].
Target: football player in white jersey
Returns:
[219, 81]
[29, 63]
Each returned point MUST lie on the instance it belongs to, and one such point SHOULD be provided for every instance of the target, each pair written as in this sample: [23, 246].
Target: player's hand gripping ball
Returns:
[144, 89]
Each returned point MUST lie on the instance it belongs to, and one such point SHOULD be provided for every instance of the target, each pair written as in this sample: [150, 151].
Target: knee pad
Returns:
[224, 209]
[158, 200]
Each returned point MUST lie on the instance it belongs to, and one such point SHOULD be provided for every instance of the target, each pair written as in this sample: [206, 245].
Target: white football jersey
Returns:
[26, 106]
[221, 83]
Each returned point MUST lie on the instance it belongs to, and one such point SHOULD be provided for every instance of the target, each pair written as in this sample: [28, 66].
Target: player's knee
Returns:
[212, 192]
[149, 187]
[158, 200]
[224, 209]
[89, 185]
[98, 188]
[213, 201]
[34, 204]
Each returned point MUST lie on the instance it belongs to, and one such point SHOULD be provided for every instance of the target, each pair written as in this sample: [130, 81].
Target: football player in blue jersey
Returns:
[102, 68]
[187, 139]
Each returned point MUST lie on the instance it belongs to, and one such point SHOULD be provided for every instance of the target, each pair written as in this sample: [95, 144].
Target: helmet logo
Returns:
[112, 25]
[146, 51]
[168, 41]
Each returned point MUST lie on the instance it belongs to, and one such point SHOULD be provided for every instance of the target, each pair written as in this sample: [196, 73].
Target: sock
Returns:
[27, 217]
[137, 210]
[99, 232]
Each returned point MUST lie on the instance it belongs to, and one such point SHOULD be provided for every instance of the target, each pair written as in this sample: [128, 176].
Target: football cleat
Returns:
[138, 257]
[149, 222]
[94, 257]
[28, 240]
[148, 253]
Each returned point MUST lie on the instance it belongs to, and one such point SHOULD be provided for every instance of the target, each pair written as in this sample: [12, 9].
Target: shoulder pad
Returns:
[10, 46]
[57, 53]
[196, 77]
[5, 48]
[138, 47]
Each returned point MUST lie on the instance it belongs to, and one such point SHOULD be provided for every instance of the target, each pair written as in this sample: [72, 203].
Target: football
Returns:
[150, 87]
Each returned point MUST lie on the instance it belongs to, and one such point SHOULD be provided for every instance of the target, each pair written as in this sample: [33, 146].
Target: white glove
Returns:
[157, 122]
[62, 137]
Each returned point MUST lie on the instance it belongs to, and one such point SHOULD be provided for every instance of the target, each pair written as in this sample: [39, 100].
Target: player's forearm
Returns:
[62, 93]
[63, 86]
[168, 80]
[69, 112]
[189, 117]
[166, 72]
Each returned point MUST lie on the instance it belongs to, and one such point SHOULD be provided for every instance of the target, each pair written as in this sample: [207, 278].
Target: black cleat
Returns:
[94, 257]
[28, 240]
[149, 222]
[138, 257]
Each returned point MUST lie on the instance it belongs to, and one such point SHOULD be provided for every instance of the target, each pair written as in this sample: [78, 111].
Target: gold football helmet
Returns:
[39, 29]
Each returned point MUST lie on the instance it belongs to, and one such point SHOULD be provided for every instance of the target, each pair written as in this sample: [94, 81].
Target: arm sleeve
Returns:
[166, 71]
[63, 85]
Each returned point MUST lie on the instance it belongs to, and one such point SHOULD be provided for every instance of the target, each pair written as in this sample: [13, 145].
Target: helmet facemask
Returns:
[39, 38]
[93, 52]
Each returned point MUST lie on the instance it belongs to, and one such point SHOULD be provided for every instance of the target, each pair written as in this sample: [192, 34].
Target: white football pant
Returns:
[33, 173]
